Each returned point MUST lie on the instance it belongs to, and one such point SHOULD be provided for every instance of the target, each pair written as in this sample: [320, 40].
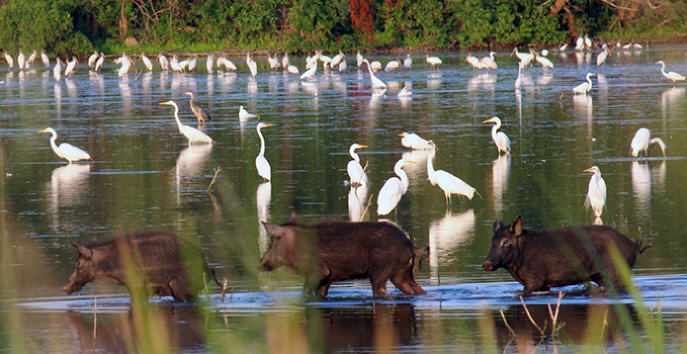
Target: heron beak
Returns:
[267, 125]
[589, 170]
[43, 131]
[164, 103]
[490, 120]
[402, 134]
[408, 161]
[362, 146]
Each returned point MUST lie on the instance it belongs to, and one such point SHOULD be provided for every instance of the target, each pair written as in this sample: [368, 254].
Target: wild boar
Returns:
[332, 251]
[541, 259]
[167, 265]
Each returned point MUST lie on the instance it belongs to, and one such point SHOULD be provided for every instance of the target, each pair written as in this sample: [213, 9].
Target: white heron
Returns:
[601, 58]
[393, 189]
[10, 61]
[147, 62]
[201, 113]
[518, 81]
[392, 65]
[488, 62]
[356, 173]
[500, 138]
[99, 62]
[70, 66]
[359, 59]
[92, 59]
[21, 60]
[209, 63]
[584, 87]
[434, 61]
[596, 195]
[285, 61]
[670, 75]
[449, 183]
[312, 70]
[243, 114]
[192, 134]
[264, 169]
[642, 142]
[474, 61]
[45, 59]
[525, 58]
[376, 83]
[408, 62]
[252, 65]
[164, 62]
[414, 141]
[66, 151]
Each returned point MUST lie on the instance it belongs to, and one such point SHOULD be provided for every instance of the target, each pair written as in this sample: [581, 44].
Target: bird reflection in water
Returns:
[583, 106]
[190, 167]
[416, 171]
[434, 81]
[68, 186]
[263, 197]
[644, 179]
[357, 202]
[500, 170]
[445, 235]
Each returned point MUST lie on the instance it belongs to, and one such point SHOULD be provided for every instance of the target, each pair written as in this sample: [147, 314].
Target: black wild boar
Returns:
[167, 265]
[540, 259]
[332, 251]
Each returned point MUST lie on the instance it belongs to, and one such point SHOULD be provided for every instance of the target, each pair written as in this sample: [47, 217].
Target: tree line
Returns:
[66, 27]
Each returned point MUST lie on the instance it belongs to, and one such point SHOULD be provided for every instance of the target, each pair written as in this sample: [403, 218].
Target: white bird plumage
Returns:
[243, 114]
[312, 64]
[45, 59]
[376, 83]
[414, 141]
[21, 60]
[192, 134]
[500, 138]
[66, 151]
[92, 59]
[261, 164]
[596, 195]
[147, 62]
[408, 62]
[488, 62]
[518, 81]
[642, 142]
[601, 58]
[584, 87]
[434, 61]
[670, 75]
[99, 62]
[356, 173]
[449, 183]
[393, 189]
[70, 66]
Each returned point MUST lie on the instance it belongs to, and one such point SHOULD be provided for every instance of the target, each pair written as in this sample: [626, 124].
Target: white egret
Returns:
[192, 134]
[192, 63]
[359, 59]
[273, 61]
[670, 75]
[292, 69]
[285, 61]
[525, 58]
[57, 69]
[66, 151]
[174, 64]
[10, 61]
[518, 81]
[92, 59]
[601, 58]
[392, 65]
[45, 59]
[376, 66]
[209, 63]
[252, 65]
[500, 138]
[489, 62]
[546, 63]
[584, 87]
[243, 114]
[201, 114]
[596, 195]
[21, 60]
[164, 63]
[31, 58]
[356, 173]
[642, 142]
[99, 63]
[393, 189]
[264, 169]
[70, 66]
[449, 183]
[376, 83]
[336, 60]
[146, 61]
[414, 141]
[474, 61]
[434, 61]
[408, 62]
[312, 70]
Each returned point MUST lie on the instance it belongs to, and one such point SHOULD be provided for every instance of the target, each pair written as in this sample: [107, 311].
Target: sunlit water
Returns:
[144, 176]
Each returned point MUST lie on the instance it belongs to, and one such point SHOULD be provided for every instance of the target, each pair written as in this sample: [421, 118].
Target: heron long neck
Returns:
[589, 81]
[369, 69]
[402, 175]
[430, 166]
[262, 143]
[663, 69]
[494, 129]
[354, 155]
[176, 116]
[193, 101]
[54, 145]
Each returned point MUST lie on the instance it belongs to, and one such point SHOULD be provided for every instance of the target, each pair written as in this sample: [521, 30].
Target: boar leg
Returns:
[181, 291]
[405, 282]
[317, 282]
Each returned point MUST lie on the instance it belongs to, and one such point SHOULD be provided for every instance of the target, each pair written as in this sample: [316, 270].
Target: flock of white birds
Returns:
[394, 188]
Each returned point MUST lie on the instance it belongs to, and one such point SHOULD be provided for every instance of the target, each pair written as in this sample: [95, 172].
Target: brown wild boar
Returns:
[332, 251]
[168, 266]
[541, 259]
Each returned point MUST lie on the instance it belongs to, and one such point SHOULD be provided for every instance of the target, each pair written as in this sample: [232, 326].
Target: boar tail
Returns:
[640, 247]
[214, 277]
[417, 251]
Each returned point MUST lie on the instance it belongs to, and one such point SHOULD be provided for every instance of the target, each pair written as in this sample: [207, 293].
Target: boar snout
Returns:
[488, 266]
[71, 288]
[263, 267]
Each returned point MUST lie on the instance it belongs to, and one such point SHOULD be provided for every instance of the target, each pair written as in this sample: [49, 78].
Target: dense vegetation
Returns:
[79, 26]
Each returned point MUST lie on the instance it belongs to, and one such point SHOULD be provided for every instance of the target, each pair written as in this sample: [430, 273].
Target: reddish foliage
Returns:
[361, 15]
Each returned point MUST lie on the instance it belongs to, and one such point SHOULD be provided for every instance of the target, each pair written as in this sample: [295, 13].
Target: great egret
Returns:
[285, 61]
[408, 62]
[99, 63]
[21, 59]
[146, 61]
[66, 151]
[392, 65]
[670, 75]
[489, 62]
[70, 66]
[376, 83]
[434, 61]
[393, 189]
[10, 61]
[252, 65]
[474, 61]
[414, 141]
[546, 63]
[355, 170]
[273, 61]
[449, 183]
[500, 138]
[518, 81]
[261, 163]
[642, 142]
[192, 134]
[312, 70]
[164, 63]
[45, 59]
[525, 58]
[359, 59]
[201, 114]
[209, 63]
[243, 114]
[601, 58]
[596, 195]
[584, 87]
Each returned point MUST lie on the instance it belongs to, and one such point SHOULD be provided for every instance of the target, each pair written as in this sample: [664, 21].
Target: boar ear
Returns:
[293, 218]
[274, 230]
[517, 226]
[84, 251]
[498, 224]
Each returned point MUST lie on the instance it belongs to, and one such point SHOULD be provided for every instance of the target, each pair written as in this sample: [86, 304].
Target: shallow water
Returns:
[144, 176]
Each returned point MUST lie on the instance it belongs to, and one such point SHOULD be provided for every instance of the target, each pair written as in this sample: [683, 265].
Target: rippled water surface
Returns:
[144, 176]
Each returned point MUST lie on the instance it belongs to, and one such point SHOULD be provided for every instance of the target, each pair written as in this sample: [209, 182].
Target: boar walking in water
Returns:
[332, 251]
[167, 265]
[541, 259]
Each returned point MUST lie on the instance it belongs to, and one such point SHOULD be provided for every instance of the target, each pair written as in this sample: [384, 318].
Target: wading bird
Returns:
[601, 58]
[434, 61]
[201, 114]
[70, 66]
[66, 151]
[209, 63]
[393, 189]
[670, 75]
[243, 114]
[21, 59]
[10, 61]
[99, 63]
[525, 58]
[488, 62]
[500, 138]
[584, 87]
[414, 141]
[146, 61]
[376, 83]
[312, 70]
[355, 170]
[264, 169]
[449, 183]
[192, 134]
[164, 62]
[408, 62]
[518, 81]
[642, 142]
[596, 195]
[92, 59]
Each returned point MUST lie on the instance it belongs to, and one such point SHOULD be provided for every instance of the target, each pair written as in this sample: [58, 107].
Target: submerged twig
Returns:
[369, 202]
[214, 178]
[506, 323]
[530, 316]
[224, 288]
[94, 308]
[554, 316]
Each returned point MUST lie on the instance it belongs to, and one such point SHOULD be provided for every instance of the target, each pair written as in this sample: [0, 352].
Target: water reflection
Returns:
[644, 178]
[445, 235]
[357, 201]
[500, 170]
[263, 197]
[434, 81]
[190, 165]
[583, 106]
[417, 172]
[68, 188]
